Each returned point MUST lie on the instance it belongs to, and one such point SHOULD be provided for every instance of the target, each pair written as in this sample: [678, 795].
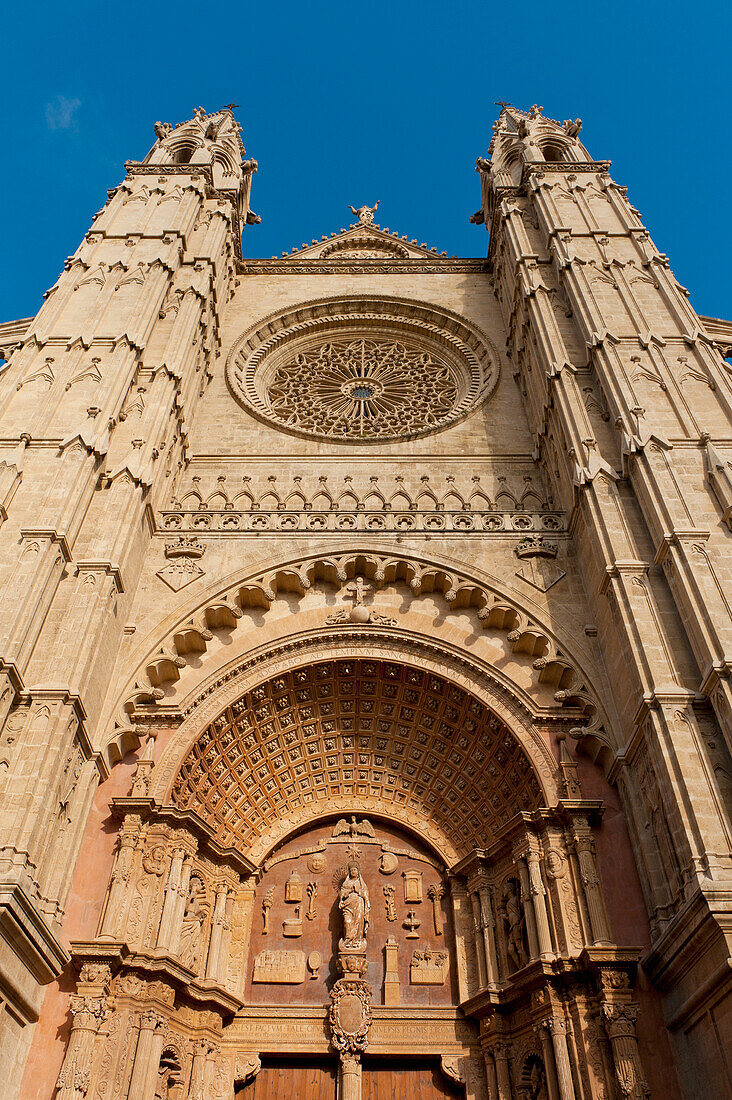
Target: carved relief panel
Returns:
[298, 921]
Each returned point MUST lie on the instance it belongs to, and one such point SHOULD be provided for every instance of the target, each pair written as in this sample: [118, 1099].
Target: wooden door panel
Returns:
[292, 1079]
[412, 1079]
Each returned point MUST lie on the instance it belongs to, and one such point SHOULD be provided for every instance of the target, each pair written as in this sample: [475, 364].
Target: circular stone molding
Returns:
[362, 370]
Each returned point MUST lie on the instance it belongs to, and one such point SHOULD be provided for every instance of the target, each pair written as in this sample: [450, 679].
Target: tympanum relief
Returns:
[352, 908]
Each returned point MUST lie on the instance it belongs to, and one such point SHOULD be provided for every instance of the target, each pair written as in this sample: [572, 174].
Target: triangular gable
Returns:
[362, 241]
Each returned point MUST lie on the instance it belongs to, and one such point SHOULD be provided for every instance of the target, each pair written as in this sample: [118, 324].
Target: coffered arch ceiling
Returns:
[364, 734]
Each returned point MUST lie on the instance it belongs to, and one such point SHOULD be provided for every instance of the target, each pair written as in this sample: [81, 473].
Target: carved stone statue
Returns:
[513, 919]
[354, 904]
[365, 214]
[353, 828]
[193, 918]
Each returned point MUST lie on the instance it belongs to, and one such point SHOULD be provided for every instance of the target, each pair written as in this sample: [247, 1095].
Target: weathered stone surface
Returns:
[366, 554]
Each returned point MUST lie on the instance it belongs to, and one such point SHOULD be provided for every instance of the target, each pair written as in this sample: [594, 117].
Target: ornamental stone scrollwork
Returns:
[362, 371]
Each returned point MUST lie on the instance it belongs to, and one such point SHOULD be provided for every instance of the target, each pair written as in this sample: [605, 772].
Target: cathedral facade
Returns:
[365, 700]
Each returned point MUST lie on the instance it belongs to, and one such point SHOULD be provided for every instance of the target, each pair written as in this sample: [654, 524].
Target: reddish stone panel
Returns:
[321, 934]
[83, 910]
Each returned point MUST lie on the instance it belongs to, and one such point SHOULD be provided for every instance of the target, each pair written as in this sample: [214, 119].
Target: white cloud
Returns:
[61, 113]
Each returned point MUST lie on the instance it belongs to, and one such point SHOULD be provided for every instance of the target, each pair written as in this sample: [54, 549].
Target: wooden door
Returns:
[292, 1079]
[405, 1079]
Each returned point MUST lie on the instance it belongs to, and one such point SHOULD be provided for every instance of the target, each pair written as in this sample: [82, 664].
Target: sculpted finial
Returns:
[365, 214]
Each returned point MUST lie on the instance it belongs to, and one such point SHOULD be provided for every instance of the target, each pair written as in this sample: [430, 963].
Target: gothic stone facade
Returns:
[366, 649]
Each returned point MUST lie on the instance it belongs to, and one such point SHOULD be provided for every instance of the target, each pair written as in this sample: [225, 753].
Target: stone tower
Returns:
[365, 718]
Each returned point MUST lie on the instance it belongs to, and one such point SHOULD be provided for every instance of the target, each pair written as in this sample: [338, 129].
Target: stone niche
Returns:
[276, 970]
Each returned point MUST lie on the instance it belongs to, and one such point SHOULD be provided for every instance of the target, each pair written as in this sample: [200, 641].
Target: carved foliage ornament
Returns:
[362, 370]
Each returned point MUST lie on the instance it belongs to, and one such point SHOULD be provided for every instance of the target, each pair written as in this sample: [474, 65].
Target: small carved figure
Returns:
[193, 918]
[312, 889]
[162, 129]
[513, 920]
[353, 828]
[365, 214]
[572, 127]
[390, 907]
[354, 904]
[266, 906]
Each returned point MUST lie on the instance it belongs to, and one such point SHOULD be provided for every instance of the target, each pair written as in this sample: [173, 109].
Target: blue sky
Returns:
[349, 103]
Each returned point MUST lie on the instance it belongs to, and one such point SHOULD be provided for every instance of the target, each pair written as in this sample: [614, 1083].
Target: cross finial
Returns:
[358, 590]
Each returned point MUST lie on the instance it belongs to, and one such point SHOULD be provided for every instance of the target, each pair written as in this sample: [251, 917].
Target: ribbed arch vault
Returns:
[374, 735]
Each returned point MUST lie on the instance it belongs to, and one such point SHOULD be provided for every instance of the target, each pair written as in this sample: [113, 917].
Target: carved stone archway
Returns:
[494, 699]
[359, 734]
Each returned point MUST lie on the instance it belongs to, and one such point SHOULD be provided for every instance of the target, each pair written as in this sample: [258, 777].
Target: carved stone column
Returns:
[523, 873]
[198, 1071]
[213, 963]
[349, 1077]
[620, 1022]
[170, 902]
[74, 1079]
[503, 1076]
[548, 1054]
[558, 1030]
[116, 906]
[538, 899]
[488, 928]
[490, 1075]
[180, 905]
[585, 846]
[147, 1057]
[480, 953]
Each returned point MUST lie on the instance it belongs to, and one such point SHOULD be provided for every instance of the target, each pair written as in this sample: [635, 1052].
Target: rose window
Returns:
[362, 370]
[360, 389]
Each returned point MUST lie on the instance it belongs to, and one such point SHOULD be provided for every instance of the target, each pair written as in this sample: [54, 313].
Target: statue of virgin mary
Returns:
[353, 901]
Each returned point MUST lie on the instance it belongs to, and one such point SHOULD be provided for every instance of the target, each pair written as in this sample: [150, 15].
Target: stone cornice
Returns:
[381, 266]
[147, 808]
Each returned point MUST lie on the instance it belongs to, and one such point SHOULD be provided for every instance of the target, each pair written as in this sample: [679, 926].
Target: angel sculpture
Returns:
[365, 214]
[353, 828]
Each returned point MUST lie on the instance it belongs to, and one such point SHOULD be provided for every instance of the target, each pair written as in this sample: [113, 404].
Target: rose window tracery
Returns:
[363, 389]
[362, 370]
